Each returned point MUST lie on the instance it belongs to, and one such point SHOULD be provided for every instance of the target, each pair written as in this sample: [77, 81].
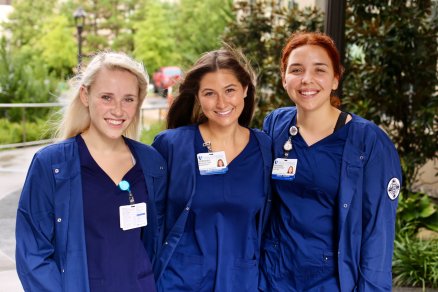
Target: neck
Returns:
[102, 144]
[222, 138]
[322, 120]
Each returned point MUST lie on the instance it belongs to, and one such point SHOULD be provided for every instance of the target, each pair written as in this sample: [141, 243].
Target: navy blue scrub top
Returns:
[308, 212]
[218, 249]
[117, 259]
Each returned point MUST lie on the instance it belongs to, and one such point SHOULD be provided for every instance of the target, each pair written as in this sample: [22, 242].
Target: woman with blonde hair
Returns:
[86, 218]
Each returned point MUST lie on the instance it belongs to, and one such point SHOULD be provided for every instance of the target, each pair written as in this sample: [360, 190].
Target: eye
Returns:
[208, 93]
[229, 90]
[295, 70]
[106, 97]
[129, 99]
[320, 70]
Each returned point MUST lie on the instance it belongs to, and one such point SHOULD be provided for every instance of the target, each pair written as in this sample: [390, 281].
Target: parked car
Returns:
[166, 77]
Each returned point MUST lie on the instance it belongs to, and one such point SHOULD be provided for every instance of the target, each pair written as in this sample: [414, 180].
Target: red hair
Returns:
[299, 39]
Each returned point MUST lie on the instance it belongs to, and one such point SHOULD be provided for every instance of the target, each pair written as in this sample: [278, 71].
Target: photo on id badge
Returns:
[284, 169]
[212, 163]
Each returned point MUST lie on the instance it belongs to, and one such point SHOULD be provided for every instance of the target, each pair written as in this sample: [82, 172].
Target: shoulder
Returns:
[278, 119]
[371, 140]
[281, 113]
[151, 161]
[262, 137]
[62, 150]
[176, 135]
[368, 131]
[145, 150]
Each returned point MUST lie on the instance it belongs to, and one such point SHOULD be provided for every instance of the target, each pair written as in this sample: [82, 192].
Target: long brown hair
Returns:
[186, 110]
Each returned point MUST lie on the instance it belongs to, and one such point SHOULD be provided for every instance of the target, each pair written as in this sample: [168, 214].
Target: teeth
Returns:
[309, 92]
[224, 113]
[115, 122]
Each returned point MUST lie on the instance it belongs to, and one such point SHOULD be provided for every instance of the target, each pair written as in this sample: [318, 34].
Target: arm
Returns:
[35, 227]
[378, 219]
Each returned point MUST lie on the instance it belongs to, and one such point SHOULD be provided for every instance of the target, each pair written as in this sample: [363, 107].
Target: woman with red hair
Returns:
[332, 224]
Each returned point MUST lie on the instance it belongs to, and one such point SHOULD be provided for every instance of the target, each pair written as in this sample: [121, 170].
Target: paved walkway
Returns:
[13, 169]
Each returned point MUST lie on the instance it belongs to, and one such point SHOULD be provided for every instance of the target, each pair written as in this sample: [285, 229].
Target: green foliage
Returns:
[21, 82]
[57, 45]
[261, 37]
[416, 210]
[391, 73]
[200, 25]
[155, 43]
[148, 135]
[415, 262]
[26, 21]
[109, 24]
[12, 132]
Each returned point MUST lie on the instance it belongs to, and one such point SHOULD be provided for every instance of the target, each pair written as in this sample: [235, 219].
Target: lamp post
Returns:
[335, 27]
[79, 16]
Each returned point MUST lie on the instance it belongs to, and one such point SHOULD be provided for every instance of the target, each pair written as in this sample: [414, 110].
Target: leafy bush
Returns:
[22, 82]
[12, 132]
[416, 210]
[148, 135]
[415, 262]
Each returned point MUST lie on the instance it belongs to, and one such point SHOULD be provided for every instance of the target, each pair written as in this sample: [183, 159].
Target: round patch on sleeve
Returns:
[393, 188]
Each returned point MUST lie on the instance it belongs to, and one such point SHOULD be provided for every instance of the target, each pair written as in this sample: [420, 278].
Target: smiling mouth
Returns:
[224, 113]
[308, 92]
[114, 122]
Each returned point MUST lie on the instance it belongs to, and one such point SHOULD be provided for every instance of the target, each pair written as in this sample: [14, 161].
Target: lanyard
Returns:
[287, 147]
[124, 186]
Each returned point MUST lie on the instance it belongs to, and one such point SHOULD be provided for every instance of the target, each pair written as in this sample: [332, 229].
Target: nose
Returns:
[117, 108]
[220, 102]
[307, 77]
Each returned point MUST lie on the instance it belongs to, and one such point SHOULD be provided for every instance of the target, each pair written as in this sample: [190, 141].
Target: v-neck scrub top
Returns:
[220, 240]
[308, 215]
[332, 228]
[117, 259]
[219, 245]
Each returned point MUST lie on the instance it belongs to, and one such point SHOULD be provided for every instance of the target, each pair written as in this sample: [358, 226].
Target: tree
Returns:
[200, 26]
[57, 46]
[261, 31]
[391, 73]
[154, 41]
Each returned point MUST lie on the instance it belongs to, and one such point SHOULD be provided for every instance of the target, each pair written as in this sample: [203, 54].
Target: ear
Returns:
[245, 91]
[83, 94]
[283, 81]
[335, 83]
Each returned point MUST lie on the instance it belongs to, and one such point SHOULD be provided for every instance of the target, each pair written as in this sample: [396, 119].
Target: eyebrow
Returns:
[316, 64]
[227, 86]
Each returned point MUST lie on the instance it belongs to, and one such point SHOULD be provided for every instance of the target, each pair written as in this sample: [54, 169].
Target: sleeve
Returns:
[35, 227]
[381, 186]
[267, 125]
[162, 147]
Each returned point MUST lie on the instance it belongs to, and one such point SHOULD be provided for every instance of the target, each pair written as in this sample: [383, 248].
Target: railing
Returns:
[145, 108]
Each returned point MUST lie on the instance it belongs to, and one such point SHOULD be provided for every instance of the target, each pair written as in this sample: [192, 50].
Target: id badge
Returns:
[284, 169]
[212, 163]
[133, 216]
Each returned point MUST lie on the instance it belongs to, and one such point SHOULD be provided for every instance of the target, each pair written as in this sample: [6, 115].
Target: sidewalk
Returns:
[13, 169]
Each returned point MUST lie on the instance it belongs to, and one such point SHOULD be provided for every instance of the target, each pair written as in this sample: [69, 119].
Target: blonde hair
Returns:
[75, 115]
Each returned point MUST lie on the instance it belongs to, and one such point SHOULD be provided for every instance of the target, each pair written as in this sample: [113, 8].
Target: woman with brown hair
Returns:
[214, 215]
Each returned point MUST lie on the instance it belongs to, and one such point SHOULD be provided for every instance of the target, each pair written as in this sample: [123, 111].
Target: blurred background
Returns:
[389, 50]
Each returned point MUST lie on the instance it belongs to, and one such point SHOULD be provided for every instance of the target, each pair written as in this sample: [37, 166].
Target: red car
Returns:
[166, 77]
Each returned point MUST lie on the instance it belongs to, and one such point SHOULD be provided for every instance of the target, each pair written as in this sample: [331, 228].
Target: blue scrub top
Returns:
[218, 249]
[117, 259]
[308, 217]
